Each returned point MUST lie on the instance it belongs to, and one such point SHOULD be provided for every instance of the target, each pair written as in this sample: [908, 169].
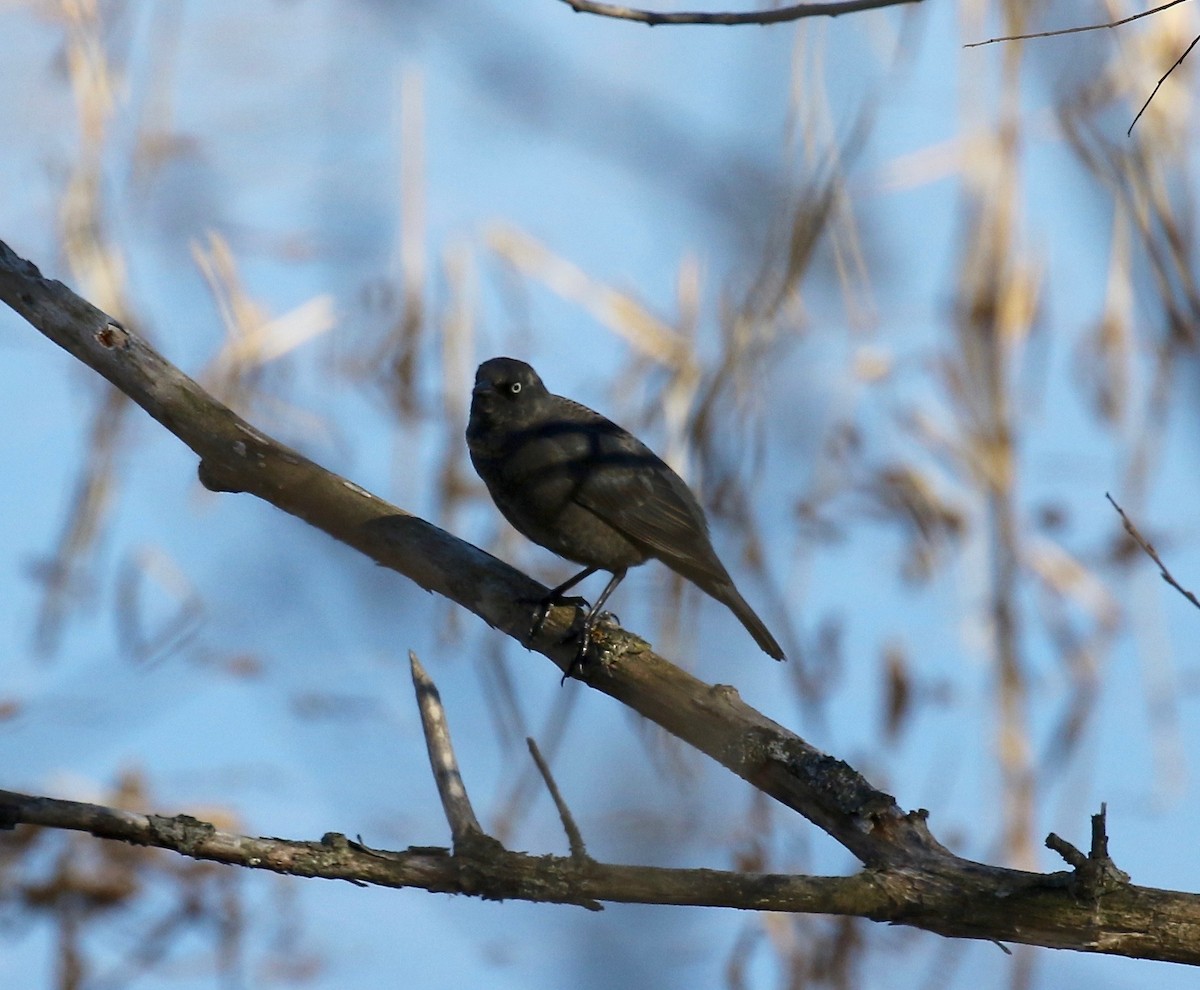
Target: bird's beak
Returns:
[483, 388]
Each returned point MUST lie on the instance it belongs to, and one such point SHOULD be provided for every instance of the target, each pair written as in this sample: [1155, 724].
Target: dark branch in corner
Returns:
[1162, 79]
[1148, 549]
[777, 16]
[1107, 25]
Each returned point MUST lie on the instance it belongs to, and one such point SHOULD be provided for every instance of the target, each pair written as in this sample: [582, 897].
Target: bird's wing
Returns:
[631, 489]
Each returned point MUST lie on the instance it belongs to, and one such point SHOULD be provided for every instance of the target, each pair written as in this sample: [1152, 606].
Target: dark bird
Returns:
[578, 484]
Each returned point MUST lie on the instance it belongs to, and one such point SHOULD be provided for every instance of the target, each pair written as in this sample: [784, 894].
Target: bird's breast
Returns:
[533, 477]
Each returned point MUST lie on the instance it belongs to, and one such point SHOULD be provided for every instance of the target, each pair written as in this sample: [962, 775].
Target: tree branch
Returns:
[911, 878]
[777, 16]
[574, 836]
[496, 875]
[464, 826]
[1057, 910]
[1059, 32]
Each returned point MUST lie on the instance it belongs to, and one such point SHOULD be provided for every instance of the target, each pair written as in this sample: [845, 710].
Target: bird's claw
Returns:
[574, 668]
[580, 661]
[543, 610]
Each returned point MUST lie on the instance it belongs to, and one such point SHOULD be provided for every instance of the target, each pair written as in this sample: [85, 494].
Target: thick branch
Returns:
[981, 902]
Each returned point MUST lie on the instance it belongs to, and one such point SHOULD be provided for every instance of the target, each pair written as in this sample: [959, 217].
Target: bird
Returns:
[578, 484]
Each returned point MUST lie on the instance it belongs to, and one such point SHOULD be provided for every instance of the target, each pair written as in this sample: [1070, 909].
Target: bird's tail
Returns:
[755, 626]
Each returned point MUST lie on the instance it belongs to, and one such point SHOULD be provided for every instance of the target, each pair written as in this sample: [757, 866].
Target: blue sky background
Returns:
[630, 153]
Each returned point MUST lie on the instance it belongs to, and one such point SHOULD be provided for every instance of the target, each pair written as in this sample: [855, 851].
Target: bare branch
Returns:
[960, 899]
[574, 836]
[1094, 874]
[1162, 79]
[464, 826]
[1066, 850]
[778, 16]
[1075, 30]
[490, 872]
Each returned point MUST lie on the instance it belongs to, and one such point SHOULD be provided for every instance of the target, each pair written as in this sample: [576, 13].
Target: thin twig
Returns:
[574, 837]
[1163, 79]
[464, 826]
[782, 14]
[1073, 30]
[1150, 552]
[1101, 27]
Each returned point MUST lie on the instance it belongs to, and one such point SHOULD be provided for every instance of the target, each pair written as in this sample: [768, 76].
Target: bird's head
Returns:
[505, 388]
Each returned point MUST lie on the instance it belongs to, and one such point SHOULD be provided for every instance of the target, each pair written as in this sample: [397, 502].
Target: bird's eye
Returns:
[515, 387]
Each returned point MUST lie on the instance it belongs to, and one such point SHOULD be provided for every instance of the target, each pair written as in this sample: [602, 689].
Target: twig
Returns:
[1100, 833]
[782, 14]
[1149, 550]
[464, 826]
[1073, 30]
[1101, 27]
[1066, 850]
[574, 837]
[1162, 79]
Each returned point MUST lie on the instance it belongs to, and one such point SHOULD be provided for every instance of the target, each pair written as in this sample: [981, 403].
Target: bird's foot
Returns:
[581, 661]
[543, 610]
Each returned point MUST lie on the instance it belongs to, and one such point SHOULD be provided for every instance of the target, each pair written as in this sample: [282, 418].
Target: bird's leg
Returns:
[555, 597]
[589, 622]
